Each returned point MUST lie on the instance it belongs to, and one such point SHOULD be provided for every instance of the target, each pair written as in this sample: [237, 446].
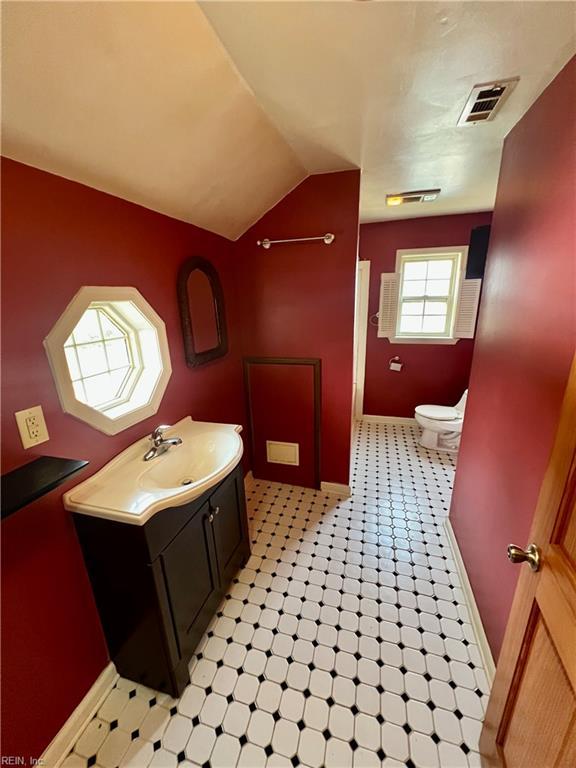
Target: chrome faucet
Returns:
[160, 444]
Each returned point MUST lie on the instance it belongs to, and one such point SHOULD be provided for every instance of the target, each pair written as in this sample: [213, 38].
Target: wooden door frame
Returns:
[558, 479]
[316, 364]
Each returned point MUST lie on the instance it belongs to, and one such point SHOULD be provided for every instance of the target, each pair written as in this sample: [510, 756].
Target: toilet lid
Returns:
[438, 412]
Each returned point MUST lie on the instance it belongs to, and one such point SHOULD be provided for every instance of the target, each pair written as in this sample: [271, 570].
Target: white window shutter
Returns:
[467, 311]
[388, 305]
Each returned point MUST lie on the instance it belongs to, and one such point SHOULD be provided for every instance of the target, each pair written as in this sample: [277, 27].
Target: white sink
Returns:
[131, 490]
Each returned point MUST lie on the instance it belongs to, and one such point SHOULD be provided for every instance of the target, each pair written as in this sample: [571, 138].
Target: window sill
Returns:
[421, 340]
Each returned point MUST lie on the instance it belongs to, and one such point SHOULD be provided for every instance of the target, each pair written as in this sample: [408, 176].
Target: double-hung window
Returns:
[427, 300]
[428, 293]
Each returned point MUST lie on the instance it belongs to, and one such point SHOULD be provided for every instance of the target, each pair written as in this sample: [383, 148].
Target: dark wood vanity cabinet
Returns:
[158, 585]
[190, 559]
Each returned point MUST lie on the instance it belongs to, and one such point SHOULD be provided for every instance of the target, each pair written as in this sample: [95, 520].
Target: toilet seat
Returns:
[438, 412]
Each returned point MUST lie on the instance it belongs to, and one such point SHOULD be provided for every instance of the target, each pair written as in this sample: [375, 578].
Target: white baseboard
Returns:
[336, 488]
[56, 752]
[389, 420]
[485, 652]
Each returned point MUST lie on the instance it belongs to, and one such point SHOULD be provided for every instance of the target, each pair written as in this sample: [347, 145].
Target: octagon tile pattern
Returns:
[344, 642]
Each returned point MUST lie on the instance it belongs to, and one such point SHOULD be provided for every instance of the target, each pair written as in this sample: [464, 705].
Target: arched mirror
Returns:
[201, 303]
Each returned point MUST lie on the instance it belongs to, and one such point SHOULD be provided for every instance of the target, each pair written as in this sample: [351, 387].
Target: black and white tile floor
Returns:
[345, 642]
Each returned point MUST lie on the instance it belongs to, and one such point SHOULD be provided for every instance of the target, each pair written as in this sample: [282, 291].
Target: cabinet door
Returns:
[192, 582]
[230, 528]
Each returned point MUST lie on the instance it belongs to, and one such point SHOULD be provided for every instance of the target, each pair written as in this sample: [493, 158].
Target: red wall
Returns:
[58, 236]
[432, 373]
[298, 299]
[282, 407]
[524, 346]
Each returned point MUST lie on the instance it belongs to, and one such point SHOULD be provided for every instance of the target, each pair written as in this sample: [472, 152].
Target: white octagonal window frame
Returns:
[141, 391]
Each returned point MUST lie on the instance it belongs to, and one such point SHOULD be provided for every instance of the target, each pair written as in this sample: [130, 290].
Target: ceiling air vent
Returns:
[420, 196]
[485, 100]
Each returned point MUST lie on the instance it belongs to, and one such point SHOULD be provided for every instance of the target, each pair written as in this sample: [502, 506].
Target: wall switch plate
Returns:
[32, 426]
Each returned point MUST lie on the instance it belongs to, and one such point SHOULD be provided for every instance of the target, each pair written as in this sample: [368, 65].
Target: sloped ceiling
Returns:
[142, 101]
[211, 113]
[381, 85]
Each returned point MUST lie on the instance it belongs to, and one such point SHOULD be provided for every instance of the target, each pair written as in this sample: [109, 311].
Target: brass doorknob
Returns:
[530, 555]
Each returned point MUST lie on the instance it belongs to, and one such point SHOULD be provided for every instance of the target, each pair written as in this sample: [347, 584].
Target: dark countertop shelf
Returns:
[31, 481]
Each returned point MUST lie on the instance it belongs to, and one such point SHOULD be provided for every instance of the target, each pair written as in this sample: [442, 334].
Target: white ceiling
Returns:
[380, 85]
[213, 122]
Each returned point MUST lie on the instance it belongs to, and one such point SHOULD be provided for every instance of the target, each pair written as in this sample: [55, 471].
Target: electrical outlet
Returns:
[32, 426]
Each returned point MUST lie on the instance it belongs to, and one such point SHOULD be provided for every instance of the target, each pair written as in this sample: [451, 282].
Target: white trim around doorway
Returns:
[360, 334]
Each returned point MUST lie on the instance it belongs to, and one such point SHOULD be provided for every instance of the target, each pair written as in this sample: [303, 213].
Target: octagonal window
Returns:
[109, 357]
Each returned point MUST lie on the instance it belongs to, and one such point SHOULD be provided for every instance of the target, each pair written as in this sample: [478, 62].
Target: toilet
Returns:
[441, 425]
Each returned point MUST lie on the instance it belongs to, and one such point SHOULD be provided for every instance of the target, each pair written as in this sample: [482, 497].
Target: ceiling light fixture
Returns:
[418, 196]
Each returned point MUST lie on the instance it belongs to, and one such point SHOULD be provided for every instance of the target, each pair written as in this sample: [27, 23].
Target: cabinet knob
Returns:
[210, 518]
[217, 510]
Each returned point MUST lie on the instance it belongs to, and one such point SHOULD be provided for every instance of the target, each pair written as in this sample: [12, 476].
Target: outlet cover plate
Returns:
[32, 426]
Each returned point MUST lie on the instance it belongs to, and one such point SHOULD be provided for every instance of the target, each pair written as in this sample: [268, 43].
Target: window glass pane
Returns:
[437, 287]
[441, 268]
[412, 307]
[427, 292]
[79, 391]
[410, 324]
[414, 288]
[105, 387]
[99, 358]
[436, 308]
[118, 355]
[109, 329]
[72, 363]
[434, 324]
[92, 359]
[415, 270]
[88, 328]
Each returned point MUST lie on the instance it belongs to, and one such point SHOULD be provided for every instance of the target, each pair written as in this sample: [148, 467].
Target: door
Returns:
[284, 410]
[360, 334]
[228, 519]
[531, 716]
[192, 583]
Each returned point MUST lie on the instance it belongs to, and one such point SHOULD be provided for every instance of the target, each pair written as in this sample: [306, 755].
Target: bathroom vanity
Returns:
[159, 577]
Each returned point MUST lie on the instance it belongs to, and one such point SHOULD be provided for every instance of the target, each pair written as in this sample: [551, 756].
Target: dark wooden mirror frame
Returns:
[193, 358]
